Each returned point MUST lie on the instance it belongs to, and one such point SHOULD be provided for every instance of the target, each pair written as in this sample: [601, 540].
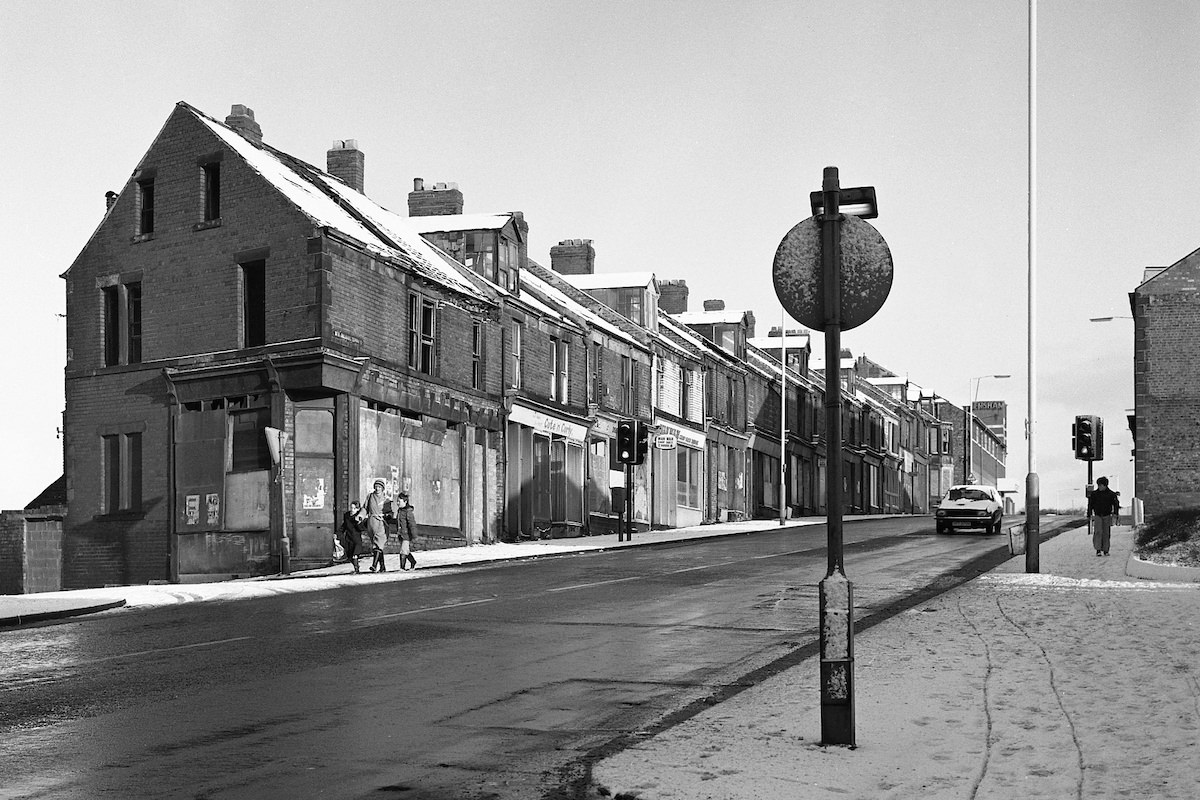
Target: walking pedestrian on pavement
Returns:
[350, 533]
[406, 529]
[1104, 505]
[375, 527]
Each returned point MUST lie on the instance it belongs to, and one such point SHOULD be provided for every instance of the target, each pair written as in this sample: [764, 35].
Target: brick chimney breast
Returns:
[714, 305]
[673, 296]
[434, 201]
[573, 257]
[241, 119]
[346, 162]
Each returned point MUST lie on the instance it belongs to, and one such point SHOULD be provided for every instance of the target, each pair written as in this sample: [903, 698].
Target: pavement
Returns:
[1082, 680]
[1078, 681]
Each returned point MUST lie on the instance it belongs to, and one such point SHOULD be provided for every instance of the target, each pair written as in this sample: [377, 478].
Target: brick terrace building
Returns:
[230, 289]
[1166, 386]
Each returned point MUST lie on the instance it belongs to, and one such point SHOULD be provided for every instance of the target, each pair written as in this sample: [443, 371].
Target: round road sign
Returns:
[866, 274]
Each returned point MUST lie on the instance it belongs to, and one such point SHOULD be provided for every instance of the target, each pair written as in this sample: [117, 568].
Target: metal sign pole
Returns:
[836, 593]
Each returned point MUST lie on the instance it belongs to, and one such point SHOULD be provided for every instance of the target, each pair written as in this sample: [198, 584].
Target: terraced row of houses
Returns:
[252, 342]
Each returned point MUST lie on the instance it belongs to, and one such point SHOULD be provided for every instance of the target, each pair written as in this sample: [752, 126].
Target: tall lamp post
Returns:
[971, 395]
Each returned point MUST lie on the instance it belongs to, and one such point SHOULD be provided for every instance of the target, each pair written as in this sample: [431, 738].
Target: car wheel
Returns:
[995, 526]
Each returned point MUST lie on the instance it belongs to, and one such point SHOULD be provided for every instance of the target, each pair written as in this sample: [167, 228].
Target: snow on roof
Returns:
[773, 342]
[460, 222]
[610, 280]
[398, 237]
[710, 317]
[556, 295]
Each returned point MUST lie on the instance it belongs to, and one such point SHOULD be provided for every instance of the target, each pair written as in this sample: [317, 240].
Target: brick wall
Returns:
[190, 278]
[31, 551]
[1167, 390]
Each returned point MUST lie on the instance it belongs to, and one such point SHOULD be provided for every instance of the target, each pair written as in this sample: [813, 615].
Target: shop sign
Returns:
[544, 423]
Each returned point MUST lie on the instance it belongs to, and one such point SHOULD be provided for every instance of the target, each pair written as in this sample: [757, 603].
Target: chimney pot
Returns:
[418, 184]
[110, 199]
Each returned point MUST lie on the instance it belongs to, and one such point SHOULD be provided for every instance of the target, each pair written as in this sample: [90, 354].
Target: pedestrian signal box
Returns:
[1087, 437]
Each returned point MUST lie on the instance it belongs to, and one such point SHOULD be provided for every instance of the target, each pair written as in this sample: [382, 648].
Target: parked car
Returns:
[970, 506]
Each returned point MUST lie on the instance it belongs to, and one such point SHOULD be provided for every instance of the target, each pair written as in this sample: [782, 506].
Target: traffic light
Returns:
[1087, 437]
[643, 434]
[627, 441]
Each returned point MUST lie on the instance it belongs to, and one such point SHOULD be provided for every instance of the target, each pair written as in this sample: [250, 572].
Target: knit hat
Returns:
[379, 482]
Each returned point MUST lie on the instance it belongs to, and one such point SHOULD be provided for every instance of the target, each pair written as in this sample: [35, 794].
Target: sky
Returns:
[683, 138]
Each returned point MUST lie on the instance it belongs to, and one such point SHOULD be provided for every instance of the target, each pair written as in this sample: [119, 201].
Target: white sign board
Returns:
[665, 441]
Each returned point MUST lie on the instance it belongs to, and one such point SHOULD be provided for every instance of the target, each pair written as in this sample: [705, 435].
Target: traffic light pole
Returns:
[836, 593]
[625, 534]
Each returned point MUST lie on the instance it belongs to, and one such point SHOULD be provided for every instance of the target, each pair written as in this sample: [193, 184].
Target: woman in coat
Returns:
[406, 529]
[375, 527]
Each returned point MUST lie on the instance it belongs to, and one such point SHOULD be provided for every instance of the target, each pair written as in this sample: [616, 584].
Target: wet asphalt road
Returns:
[494, 682]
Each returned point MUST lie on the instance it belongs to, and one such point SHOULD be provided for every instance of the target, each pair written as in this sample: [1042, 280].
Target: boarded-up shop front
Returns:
[440, 465]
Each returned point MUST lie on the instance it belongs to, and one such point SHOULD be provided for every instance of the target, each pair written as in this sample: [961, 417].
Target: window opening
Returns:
[254, 303]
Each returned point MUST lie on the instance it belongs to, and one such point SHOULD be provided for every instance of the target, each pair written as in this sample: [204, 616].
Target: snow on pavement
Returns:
[1010, 686]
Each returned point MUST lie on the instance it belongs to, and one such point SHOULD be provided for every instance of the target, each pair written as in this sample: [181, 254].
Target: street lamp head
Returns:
[1105, 319]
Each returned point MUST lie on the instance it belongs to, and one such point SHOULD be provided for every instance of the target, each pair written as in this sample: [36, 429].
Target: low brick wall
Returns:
[31, 551]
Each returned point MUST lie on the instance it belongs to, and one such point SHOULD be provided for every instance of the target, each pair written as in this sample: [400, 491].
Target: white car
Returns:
[970, 506]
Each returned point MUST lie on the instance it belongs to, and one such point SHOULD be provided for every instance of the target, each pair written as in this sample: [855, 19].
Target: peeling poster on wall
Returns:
[315, 499]
[214, 508]
[192, 512]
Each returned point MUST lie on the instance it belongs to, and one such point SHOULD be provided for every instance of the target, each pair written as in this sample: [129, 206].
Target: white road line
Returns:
[427, 608]
[161, 650]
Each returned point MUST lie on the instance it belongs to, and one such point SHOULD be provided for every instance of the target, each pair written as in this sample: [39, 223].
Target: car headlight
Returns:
[941, 513]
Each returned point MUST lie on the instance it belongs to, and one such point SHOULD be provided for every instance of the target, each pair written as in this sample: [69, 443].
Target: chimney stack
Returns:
[345, 162]
[241, 119]
[573, 257]
[673, 296]
[436, 201]
[110, 199]
[750, 324]
[714, 305]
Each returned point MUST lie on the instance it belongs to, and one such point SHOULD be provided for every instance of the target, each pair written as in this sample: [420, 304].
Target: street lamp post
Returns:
[970, 437]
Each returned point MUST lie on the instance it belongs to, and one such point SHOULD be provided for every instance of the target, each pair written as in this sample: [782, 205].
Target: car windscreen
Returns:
[968, 494]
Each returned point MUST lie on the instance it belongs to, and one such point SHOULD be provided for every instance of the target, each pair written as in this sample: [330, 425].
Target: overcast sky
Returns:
[683, 138]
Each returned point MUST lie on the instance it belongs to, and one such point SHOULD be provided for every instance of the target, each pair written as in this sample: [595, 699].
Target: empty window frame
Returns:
[211, 173]
[122, 324]
[122, 472]
[476, 354]
[422, 333]
[145, 206]
[254, 303]
[247, 439]
[558, 370]
[515, 377]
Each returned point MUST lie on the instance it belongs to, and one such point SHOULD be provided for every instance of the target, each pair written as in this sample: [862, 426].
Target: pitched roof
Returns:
[332, 204]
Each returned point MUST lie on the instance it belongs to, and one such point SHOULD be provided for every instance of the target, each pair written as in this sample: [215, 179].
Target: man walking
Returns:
[1104, 504]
